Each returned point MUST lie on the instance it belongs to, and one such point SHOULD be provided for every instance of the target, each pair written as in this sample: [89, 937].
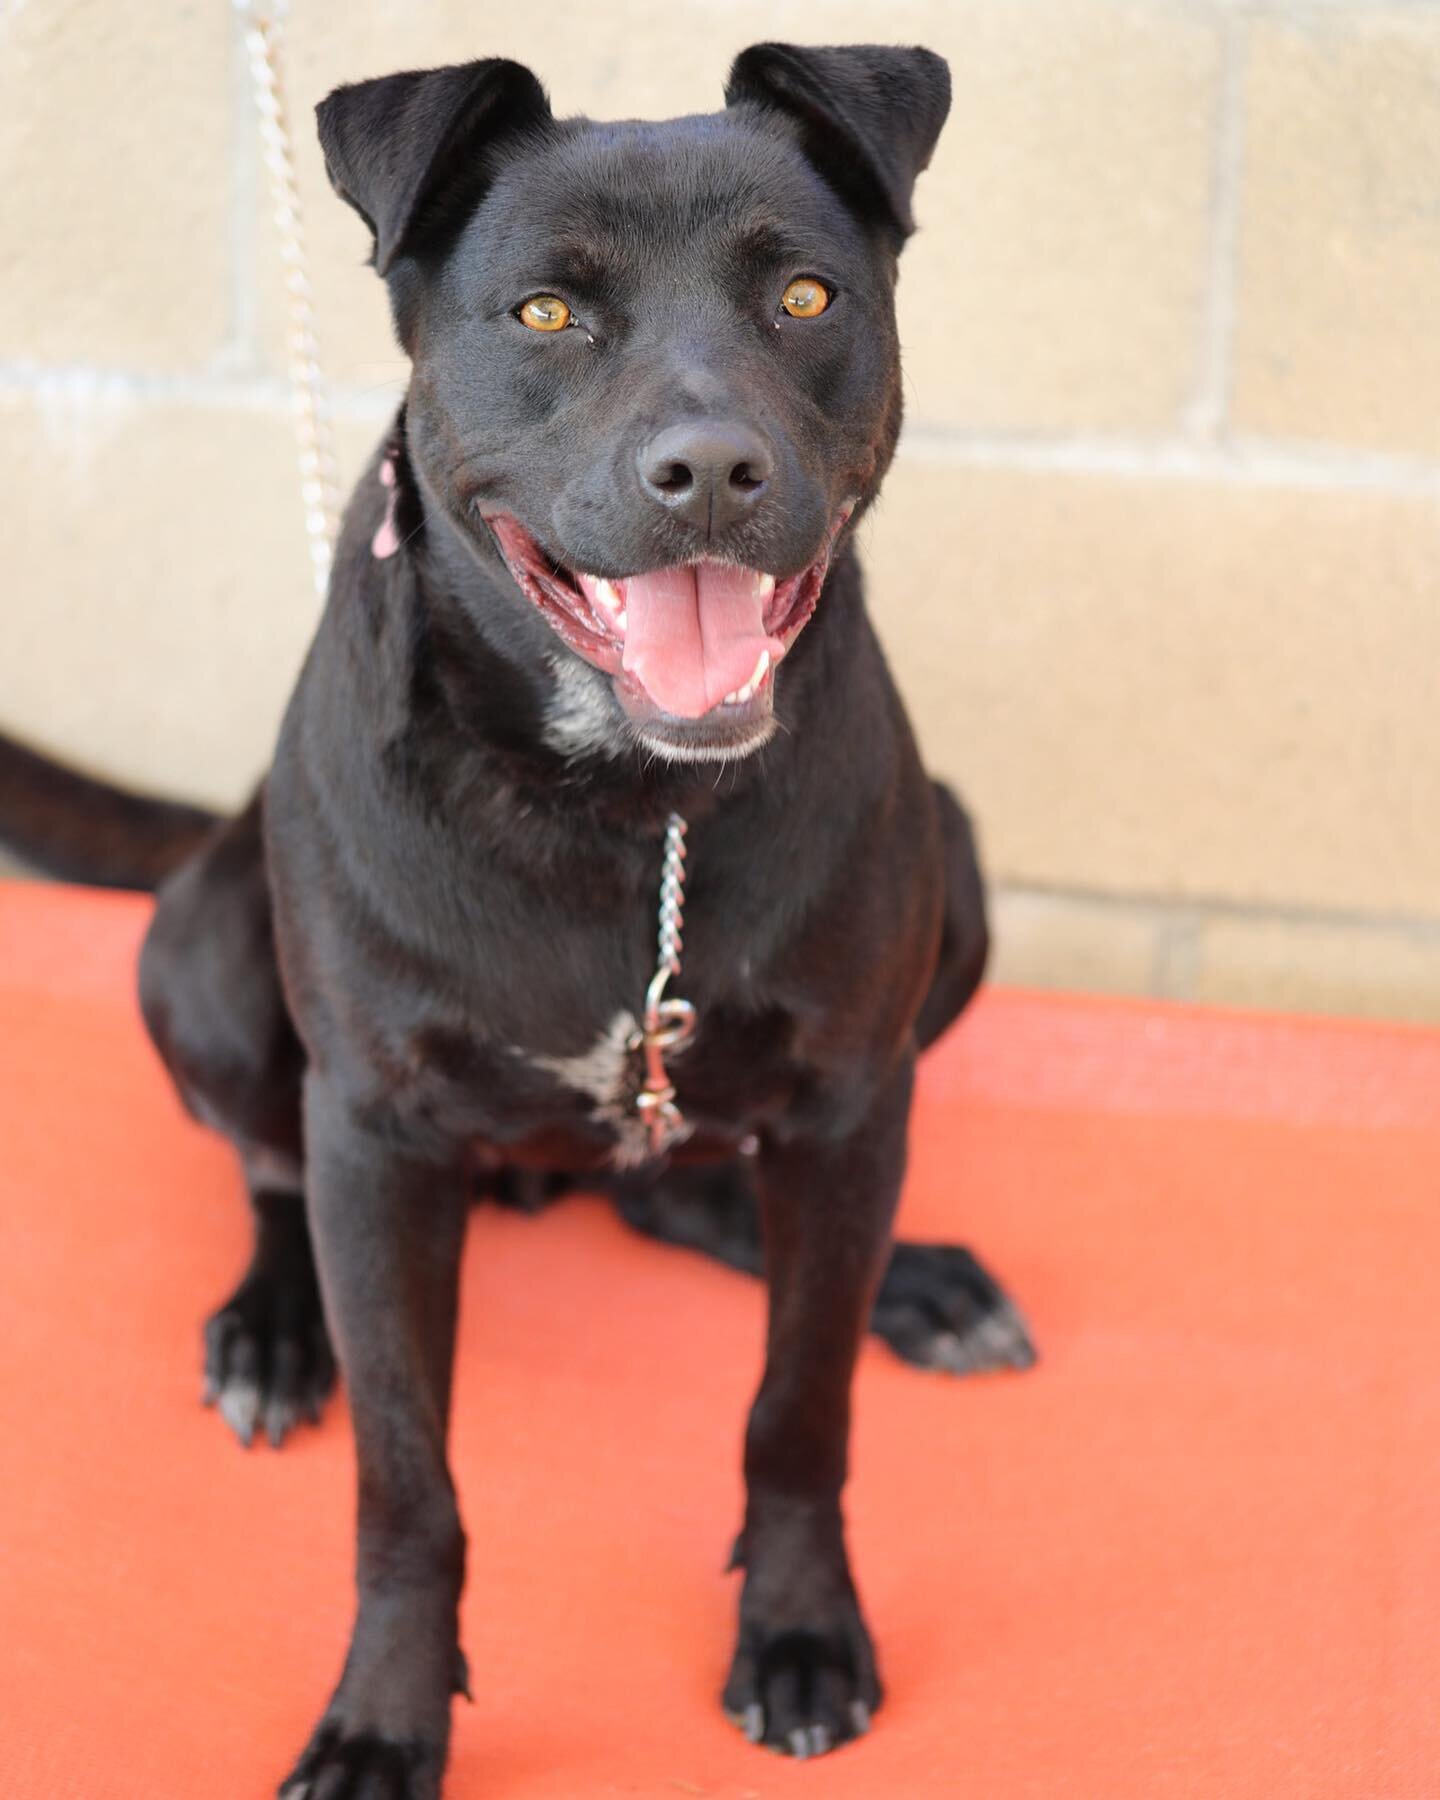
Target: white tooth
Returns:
[622, 619]
[608, 596]
[764, 586]
[761, 668]
[731, 699]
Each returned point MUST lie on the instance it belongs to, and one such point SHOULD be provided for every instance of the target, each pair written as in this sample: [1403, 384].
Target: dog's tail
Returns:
[72, 826]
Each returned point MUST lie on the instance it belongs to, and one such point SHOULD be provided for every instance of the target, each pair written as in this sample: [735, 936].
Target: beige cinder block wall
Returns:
[1159, 564]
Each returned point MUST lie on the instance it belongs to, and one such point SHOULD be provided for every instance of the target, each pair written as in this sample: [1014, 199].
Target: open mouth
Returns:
[692, 650]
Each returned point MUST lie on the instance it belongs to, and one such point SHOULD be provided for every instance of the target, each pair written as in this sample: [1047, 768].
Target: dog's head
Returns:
[654, 365]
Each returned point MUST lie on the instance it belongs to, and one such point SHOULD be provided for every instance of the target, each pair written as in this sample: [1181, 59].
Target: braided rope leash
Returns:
[314, 434]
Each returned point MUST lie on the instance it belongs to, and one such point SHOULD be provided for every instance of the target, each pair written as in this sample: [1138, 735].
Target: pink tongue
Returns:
[694, 635]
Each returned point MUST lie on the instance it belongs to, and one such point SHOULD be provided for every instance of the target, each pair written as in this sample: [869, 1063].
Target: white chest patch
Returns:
[607, 1072]
[604, 1071]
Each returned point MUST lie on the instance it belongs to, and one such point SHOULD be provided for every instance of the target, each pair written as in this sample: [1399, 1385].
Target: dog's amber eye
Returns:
[546, 312]
[805, 298]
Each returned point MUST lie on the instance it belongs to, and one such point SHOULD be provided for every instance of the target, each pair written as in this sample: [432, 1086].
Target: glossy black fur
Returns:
[449, 880]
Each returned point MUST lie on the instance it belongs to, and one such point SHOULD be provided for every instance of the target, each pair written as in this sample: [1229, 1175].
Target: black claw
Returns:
[278, 1420]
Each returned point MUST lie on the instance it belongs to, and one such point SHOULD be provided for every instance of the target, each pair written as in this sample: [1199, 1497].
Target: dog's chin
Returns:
[588, 613]
[726, 733]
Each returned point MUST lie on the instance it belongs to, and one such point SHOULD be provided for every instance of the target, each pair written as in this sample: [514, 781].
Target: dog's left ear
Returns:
[408, 151]
[868, 115]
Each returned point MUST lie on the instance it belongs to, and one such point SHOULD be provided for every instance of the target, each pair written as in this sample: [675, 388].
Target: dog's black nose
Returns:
[709, 472]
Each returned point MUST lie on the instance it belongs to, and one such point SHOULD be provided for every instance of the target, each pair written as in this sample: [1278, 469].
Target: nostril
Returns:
[673, 478]
[707, 472]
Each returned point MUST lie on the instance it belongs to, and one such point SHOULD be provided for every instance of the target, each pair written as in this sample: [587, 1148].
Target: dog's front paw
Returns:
[365, 1765]
[803, 1690]
[940, 1309]
[386, 1733]
[268, 1362]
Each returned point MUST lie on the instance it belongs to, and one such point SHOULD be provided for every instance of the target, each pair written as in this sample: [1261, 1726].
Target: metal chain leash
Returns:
[668, 1024]
[314, 435]
[672, 896]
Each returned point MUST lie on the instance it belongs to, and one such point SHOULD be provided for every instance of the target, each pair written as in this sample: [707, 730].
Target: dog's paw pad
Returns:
[941, 1309]
[268, 1363]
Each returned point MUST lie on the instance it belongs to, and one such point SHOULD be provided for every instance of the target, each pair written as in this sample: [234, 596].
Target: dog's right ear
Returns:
[407, 151]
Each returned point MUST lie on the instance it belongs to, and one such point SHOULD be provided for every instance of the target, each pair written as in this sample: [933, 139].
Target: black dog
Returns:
[655, 382]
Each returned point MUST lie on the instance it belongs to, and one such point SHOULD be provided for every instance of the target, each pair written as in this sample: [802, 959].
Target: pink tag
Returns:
[385, 541]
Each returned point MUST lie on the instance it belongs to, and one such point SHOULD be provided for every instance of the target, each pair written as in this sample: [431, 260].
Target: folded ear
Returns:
[868, 115]
[407, 150]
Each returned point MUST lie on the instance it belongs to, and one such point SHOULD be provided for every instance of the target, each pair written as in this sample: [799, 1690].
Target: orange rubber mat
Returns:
[1196, 1552]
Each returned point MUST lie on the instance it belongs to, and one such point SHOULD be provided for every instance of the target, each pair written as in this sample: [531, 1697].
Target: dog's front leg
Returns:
[388, 1219]
[804, 1676]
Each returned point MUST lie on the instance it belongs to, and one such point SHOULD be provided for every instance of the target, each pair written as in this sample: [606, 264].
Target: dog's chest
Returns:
[548, 1096]
[535, 1048]
[728, 1078]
